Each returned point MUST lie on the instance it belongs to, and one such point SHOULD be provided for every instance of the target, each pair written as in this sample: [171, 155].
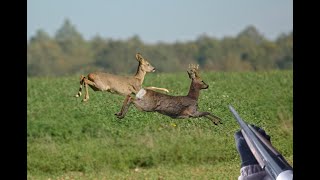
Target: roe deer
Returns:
[173, 106]
[122, 85]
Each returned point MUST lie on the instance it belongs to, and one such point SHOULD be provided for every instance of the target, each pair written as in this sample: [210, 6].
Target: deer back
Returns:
[123, 85]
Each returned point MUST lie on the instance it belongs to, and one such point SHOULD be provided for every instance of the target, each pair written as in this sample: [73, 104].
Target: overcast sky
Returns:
[161, 20]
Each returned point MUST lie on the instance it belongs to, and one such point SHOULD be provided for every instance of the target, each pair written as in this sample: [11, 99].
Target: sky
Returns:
[161, 20]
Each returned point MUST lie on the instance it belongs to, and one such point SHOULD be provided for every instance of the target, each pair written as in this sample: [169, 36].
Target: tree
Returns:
[252, 34]
[68, 37]
[75, 49]
[69, 53]
[43, 55]
[285, 43]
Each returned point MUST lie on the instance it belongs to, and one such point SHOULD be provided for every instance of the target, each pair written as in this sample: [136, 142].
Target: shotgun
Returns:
[267, 156]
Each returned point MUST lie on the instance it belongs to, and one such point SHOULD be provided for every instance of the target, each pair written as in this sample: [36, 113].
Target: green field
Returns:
[69, 139]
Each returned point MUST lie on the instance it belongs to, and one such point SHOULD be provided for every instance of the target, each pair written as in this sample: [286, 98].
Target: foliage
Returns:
[68, 53]
[67, 138]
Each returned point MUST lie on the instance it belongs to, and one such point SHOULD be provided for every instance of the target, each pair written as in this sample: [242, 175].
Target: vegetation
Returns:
[68, 53]
[68, 139]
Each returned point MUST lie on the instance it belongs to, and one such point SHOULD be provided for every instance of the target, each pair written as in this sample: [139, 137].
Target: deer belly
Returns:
[108, 88]
[171, 110]
[102, 86]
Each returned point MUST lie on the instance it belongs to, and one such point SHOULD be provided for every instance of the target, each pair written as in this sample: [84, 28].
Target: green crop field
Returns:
[70, 139]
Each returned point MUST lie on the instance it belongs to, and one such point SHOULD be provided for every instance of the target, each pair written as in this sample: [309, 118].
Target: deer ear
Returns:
[191, 75]
[139, 57]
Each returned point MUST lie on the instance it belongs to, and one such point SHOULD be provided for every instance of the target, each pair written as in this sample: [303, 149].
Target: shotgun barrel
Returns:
[267, 156]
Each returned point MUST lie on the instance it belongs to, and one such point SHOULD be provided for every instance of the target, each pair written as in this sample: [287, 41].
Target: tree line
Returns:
[69, 53]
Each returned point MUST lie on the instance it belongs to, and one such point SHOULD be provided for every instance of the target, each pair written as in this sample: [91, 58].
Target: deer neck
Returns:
[194, 91]
[140, 74]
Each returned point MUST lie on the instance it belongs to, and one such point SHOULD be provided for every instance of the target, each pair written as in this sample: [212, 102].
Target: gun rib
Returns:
[267, 156]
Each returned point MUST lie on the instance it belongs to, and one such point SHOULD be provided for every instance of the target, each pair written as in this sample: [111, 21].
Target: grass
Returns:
[68, 139]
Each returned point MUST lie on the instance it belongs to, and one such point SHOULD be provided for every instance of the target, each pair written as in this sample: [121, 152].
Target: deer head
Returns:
[195, 77]
[144, 64]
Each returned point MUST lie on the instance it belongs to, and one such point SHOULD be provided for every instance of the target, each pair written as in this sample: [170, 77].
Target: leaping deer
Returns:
[173, 106]
[122, 85]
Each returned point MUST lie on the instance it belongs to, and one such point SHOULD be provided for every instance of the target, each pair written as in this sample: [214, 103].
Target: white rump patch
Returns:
[141, 93]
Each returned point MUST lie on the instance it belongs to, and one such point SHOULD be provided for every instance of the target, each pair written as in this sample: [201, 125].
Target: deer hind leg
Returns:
[80, 89]
[87, 82]
[86, 96]
[208, 115]
[125, 106]
[216, 118]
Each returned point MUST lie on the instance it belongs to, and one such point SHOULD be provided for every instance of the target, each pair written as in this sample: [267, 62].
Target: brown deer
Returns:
[122, 85]
[173, 106]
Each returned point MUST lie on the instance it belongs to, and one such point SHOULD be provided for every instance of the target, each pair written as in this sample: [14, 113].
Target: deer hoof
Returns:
[119, 115]
[79, 94]
[85, 100]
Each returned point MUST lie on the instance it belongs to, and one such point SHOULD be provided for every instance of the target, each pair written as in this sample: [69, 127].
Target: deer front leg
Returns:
[156, 88]
[125, 102]
[125, 107]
